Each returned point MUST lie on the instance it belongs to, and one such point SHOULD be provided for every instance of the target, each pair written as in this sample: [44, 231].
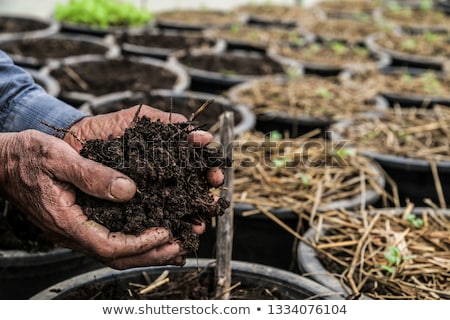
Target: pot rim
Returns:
[288, 278]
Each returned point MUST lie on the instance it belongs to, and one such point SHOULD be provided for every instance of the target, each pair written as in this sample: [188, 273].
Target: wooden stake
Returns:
[224, 242]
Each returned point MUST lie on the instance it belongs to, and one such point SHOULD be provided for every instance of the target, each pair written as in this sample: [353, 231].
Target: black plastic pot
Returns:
[161, 44]
[406, 100]
[256, 38]
[311, 267]
[257, 238]
[18, 26]
[186, 103]
[286, 285]
[204, 19]
[23, 274]
[38, 51]
[414, 178]
[215, 72]
[148, 74]
[294, 125]
[327, 68]
[402, 59]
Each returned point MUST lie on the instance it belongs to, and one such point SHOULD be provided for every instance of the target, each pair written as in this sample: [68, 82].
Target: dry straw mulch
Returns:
[301, 174]
[386, 253]
[408, 132]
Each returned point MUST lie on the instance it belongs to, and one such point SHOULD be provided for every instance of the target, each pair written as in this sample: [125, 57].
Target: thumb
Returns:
[95, 179]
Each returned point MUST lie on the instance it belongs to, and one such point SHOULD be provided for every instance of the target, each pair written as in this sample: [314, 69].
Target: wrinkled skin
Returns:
[39, 173]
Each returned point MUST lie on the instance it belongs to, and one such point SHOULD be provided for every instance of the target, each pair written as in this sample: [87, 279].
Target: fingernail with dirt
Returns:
[122, 189]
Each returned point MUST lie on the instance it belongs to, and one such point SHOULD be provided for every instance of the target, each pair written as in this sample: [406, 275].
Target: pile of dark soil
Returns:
[170, 174]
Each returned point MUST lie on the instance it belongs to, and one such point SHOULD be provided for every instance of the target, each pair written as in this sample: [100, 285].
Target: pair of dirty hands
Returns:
[40, 173]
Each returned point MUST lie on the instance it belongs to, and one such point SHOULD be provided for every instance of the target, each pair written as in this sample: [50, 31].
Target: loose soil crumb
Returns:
[170, 174]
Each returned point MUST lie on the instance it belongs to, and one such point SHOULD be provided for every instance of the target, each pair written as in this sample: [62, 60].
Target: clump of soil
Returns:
[170, 174]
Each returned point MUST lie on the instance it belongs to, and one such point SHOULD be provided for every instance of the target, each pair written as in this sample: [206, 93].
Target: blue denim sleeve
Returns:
[26, 105]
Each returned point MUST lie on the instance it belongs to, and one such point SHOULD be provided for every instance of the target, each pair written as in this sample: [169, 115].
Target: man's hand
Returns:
[39, 174]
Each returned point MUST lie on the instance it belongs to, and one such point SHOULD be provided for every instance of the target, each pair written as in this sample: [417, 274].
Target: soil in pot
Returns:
[347, 8]
[257, 38]
[35, 52]
[29, 261]
[195, 19]
[280, 184]
[161, 44]
[12, 26]
[82, 79]
[170, 174]
[417, 18]
[405, 87]
[302, 103]
[425, 50]
[344, 29]
[330, 58]
[270, 14]
[411, 145]
[194, 281]
[185, 103]
[382, 254]
[216, 72]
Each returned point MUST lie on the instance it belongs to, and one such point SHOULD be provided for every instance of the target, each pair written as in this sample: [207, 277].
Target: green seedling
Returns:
[394, 259]
[280, 163]
[408, 44]
[293, 73]
[235, 28]
[102, 13]
[324, 93]
[306, 181]
[296, 39]
[338, 48]
[406, 78]
[415, 221]
[394, 7]
[312, 50]
[426, 5]
[275, 136]
[360, 51]
[431, 37]
[431, 83]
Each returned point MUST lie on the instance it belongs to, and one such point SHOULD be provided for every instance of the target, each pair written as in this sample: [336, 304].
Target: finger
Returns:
[215, 177]
[108, 245]
[199, 228]
[155, 114]
[163, 255]
[200, 138]
[93, 178]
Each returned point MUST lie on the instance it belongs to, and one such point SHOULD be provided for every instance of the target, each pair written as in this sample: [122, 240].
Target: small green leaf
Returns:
[275, 136]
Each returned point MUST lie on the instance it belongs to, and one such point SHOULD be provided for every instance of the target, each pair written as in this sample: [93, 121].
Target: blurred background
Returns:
[44, 8]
